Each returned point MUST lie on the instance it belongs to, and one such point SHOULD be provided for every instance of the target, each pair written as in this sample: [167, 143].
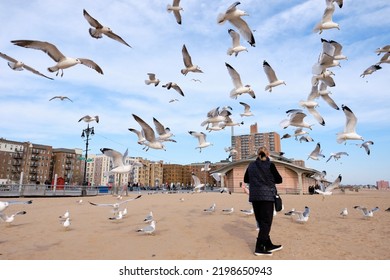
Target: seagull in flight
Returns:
[247, 110]
[239, 88]
[316, 153]
[370, 70]
[118, 160]
[98, 30]
[175, 8]
[19, 66]
[271, 76]
[152, 141]
[61, 97]
[115, 205]
[366, 146]
[329, 189]
[337, 155]
[5, 204]
[296, 119]
[11, 218]
[88, 119]
[175, 87]
[63, 62]
[197, 184]
[152, 79]
[202, 143]
[234, 16]
[303, 216]
[310, 104]
[236, 48]
[327, 18]
[189, 67]
[349, 132]
[368, 213]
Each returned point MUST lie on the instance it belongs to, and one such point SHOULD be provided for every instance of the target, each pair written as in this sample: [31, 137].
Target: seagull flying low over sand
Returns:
[197, 184]
[233, 15]
[149, 229]
[118, 160]
[19, 66]
[5, 204]
[316, 153]
[368, 213]
[303, 216]
[175, 8]
[349, 132]
[152, 79]
[61, 97]
[271, 76]
[236, 48]
[63, 62]
[98, 29]
[296, 119]
[174, 86]
[152, 141]
[366, 146]
[329, 189]
[202, 143]
[337, 155]
[238, 86]
[11, 218]
[88, 118]
[327, 18]
[188, 63]
[115, 205]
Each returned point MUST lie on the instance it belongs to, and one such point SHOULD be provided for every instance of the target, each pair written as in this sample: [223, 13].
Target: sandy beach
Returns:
[185, 232]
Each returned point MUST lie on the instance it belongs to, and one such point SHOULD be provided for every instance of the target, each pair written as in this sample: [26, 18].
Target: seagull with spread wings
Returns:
[152, 79]
[189, 66]
[197, 184]
[271, 76]
[152, 141]
[175, 8]
[237, 47]
[239, 88]
[349, 132]
[61, 97]
[201, 136]
[325, 191]
[63, 61]
[98, 30]
[115, 205]
[17, 65]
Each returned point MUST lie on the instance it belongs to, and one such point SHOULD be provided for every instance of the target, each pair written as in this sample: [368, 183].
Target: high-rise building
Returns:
[247, 145]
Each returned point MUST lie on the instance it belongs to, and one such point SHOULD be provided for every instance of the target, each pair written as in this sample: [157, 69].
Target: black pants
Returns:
[264, 213]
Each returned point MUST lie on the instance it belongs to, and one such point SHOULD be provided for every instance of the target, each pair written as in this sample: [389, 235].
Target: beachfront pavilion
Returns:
[296, 177]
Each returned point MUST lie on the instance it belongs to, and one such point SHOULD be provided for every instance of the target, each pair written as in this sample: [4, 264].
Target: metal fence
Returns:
[46, 190]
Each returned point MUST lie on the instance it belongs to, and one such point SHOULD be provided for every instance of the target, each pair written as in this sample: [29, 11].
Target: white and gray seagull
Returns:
[370, 70]
[349, 132]
[316, 154]
[296, 118]
[5, 204]
[149, 229]
[118, 161]
[174, 86]
[237, 47]
[337, 155]
[325, 191]
[189, 66]
[327, 18]
[98, 29]
[175, 8]
[88, 119]
[164, 133]
[366, 145]
[201, 136]
[152, 141]
[17, 65]
[63, 62]
[152, 79]
[310, 104]
[247, 110]
[115, 206]
[233, 15]
[198, 186]
[271, 76]
[367, 213]
[303, 216]
[11, 218]
[239, 88]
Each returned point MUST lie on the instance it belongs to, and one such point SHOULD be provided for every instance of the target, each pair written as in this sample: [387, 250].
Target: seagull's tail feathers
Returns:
[94, 33]
[221, 18]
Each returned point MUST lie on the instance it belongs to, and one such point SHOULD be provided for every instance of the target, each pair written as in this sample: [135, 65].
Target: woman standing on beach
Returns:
[262, 175]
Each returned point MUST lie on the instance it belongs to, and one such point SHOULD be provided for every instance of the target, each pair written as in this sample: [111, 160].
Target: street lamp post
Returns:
[89, 131]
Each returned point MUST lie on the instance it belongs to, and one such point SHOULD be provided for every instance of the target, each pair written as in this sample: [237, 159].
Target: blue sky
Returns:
[284, 37]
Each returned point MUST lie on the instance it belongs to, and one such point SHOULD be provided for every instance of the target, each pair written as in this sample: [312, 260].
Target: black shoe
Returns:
[262, 251]
[274, 248]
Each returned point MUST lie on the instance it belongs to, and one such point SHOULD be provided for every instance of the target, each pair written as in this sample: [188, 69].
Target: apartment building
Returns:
[69, 165]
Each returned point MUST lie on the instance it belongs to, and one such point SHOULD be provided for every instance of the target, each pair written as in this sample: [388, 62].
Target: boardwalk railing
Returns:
[45, 190]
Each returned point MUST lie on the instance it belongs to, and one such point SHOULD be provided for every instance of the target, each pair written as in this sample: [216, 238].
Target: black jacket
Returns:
[262, 184]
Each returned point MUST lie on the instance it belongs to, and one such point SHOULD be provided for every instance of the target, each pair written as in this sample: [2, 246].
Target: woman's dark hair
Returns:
[262, 155]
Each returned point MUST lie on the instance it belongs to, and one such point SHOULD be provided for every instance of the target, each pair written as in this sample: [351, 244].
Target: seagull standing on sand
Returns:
[175, 8]
[88, 119]
[152, 79]
[228, 210]
[149, 217]
[149, 229]
[66, 215]
[188, 63]
[236, 48]
[349, 132]
[61, 97]
[211, 209]
[233, 15]
[202, 143]
[66, 223]
[271, 76]
[17, 65]
[98, 30]
[344, 212]
[63, 62]
[238, 86]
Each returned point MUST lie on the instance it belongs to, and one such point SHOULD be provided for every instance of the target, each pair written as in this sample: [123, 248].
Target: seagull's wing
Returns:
[6, 57]
[235, 37]
[186, 57]
[351, 119]
[178, 89]
[328, 13]
[297, 117]
[246, 106]
[102, 204]
[244, 29]
[91, 64]
[131, 199]
[35, 71]
[46, 47]
[234, 75]
[152, 76]
[116, 37]
[196, 180]
[334, 185]
[269, 72]
[116, 156]
[92, 21]
[159, 127]
[316, 115]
